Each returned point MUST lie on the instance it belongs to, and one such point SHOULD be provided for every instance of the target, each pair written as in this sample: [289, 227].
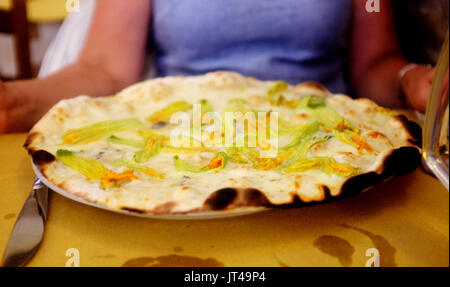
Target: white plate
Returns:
[189, 216]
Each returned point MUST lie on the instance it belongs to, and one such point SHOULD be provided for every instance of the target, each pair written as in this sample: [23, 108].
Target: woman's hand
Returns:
[16, 112]
[5, 108]
[2, 107]
[376, 60]
[416, 85]
[112, 59]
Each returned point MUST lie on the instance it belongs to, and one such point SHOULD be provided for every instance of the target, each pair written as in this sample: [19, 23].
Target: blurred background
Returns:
[27, 28]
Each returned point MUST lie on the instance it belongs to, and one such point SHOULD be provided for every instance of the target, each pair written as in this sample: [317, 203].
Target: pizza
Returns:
[220, 142]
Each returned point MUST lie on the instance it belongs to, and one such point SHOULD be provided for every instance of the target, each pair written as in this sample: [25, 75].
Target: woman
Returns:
[292, 40]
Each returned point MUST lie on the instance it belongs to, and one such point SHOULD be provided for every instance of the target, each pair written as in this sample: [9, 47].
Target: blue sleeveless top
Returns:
[290, 40]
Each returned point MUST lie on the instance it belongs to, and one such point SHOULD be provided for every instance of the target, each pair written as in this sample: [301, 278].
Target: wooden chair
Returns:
[15, 22]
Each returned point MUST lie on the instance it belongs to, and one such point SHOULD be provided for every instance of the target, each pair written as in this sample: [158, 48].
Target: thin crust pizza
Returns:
[220, 142]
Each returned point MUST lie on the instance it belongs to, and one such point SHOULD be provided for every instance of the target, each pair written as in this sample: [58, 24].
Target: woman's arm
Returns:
[376, 60]
[111, 59]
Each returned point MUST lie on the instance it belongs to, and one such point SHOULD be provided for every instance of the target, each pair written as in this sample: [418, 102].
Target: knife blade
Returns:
[29, 227]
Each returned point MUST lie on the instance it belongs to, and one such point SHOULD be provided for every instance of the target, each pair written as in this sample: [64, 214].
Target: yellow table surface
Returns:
[41, 10]
[406, 219]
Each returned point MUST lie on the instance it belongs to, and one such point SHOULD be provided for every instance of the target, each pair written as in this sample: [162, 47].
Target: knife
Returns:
[29, 227]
